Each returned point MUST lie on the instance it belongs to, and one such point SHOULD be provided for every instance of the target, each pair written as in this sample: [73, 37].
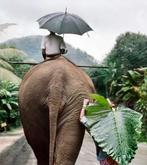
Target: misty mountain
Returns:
[31, 46]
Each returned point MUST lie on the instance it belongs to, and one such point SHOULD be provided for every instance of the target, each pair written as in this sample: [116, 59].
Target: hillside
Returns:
[31, 46]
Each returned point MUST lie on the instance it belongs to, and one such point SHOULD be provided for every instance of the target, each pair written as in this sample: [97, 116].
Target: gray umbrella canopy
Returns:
[63, 23]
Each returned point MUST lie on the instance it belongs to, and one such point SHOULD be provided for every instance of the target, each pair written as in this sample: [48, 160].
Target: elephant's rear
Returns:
[34, 116]
[55, 88]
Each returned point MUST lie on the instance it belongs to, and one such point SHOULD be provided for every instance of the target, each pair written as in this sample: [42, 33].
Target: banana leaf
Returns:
[115, 131]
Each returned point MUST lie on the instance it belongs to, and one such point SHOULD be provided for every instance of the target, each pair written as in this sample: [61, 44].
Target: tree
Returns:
[130, 51]
[103, 77]
[9, 79]
[132, 92]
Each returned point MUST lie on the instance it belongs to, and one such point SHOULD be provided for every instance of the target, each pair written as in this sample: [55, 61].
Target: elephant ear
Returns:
[116, 132]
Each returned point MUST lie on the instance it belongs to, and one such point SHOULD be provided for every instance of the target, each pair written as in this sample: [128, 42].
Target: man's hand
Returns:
[63, 51]
[85, 103]
[110, 103]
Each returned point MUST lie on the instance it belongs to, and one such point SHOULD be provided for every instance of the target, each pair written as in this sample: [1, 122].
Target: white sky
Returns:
[108, 18]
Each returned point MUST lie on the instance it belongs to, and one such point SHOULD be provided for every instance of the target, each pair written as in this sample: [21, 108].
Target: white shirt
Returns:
[52, 44]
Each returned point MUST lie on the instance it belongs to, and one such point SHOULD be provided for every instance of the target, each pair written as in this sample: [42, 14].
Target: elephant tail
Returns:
[55, 101]
[52, 133]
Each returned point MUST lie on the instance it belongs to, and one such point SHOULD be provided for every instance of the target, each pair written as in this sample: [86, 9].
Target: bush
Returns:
[8, 103]
[132, 91]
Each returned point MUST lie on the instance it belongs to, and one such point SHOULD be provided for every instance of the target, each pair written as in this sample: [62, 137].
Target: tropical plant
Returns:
[126, 89]
[115, 130]
[8, 102]
[103, 77]
[132, 92]
[129, 52]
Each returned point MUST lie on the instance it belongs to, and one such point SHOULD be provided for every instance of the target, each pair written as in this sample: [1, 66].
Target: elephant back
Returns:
[64, 70]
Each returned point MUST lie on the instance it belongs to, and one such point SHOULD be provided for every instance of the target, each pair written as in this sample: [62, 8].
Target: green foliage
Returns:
[9, 76]
[20, 69]
[116, 132]
[129, 86]
[132, 92]
[101, 104]
[129, 52]
[8, 102]
[141, 106]
[3, 116]
[9, 55]
[97, 76]
[102, 78]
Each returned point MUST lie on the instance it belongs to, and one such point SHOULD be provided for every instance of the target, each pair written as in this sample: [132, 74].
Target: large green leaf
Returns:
[117, 132]
[100, 103]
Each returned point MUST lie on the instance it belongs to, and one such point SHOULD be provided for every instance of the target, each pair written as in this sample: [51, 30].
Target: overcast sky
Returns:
[108, 18]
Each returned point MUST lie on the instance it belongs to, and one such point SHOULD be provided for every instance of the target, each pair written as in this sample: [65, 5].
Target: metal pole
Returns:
[82, 66]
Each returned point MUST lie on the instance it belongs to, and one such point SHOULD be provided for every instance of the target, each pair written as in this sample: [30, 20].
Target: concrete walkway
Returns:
[9, 138]
[14, 150]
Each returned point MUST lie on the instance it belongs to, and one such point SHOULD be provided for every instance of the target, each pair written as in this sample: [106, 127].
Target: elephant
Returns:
[51, 95]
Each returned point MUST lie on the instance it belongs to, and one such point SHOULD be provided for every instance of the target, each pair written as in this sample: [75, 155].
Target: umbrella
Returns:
[63, 22]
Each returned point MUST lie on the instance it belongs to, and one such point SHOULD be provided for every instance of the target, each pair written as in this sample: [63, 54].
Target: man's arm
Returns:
[43, 54]
[63, 48]
[62, 51]
[83, 118]
[43, 48]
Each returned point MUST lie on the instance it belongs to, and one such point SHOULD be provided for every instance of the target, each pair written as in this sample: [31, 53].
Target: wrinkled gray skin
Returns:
[50, 98]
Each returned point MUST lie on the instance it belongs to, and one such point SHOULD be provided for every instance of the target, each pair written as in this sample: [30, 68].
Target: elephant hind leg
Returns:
[36, 130]
[42, 162]
[68, 143]
[42, 158]
[40, 148]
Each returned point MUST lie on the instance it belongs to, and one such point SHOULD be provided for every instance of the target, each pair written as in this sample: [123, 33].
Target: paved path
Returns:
[21, 154]
[87, 154]
[8, 138]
